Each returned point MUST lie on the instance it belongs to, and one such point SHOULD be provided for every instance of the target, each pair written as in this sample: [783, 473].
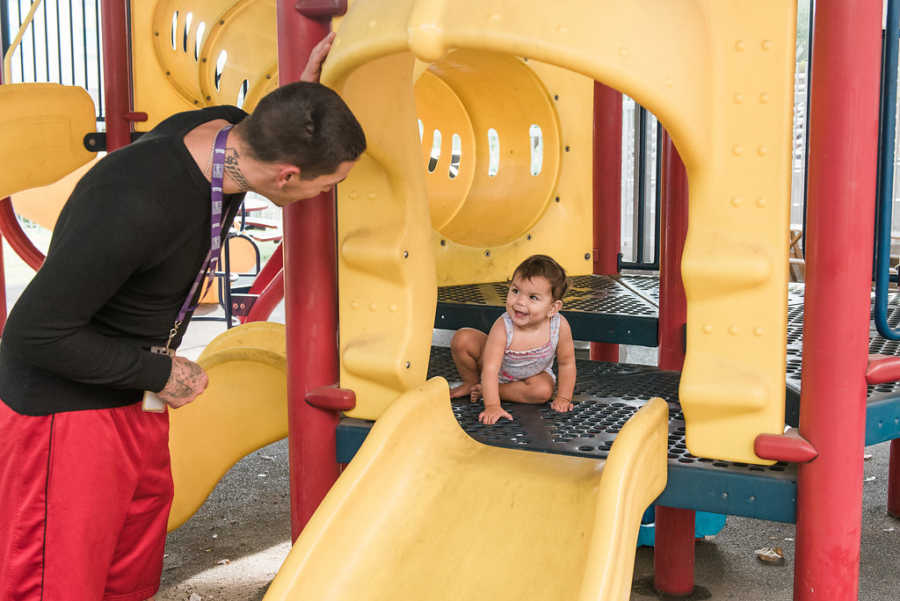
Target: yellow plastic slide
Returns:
[425, 513]
[243, 409]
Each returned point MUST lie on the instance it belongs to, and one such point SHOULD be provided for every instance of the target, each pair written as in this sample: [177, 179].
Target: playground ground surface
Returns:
[233, 547]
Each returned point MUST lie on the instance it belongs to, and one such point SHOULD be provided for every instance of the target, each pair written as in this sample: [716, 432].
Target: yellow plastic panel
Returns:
[243, 409]
[176, 25]
[256, 334]
[386, 269]
[442, 116]
[734, 268]
[503, 98]
[425, 512]
[42, 205]
[246, 34]
[718, 75]
[168, 80]
[564, 229]
[42, 129]
[154, 90]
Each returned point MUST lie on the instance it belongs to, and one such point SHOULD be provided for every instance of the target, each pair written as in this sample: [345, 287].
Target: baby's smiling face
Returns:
[530, 301]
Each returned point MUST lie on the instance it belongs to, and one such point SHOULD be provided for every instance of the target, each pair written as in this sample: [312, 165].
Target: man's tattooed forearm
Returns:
[233, 170]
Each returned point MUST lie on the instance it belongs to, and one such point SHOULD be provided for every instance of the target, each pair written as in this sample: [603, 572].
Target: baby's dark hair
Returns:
[545, 267]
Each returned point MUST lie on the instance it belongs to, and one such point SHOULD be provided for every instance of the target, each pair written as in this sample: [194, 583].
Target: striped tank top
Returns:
[519, 365]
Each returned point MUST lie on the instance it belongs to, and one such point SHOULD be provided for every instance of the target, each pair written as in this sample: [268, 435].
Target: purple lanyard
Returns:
[215, 233]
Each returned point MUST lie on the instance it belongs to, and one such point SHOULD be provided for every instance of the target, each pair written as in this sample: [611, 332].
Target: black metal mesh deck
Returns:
[645, 285]
[624, 309]
[877, 345]
[606, 395]
[604, 294]
[616, 309]
[587, 293]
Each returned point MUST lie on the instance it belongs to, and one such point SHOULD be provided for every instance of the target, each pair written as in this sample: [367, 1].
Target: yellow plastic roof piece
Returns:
[247, 34]
[42, 129]
[425, 512]
[187, 54]
[180, 36]
[243, 409]
[718, 75]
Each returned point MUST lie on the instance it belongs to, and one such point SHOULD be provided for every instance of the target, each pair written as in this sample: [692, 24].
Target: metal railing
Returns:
[640, 184]
[62, 44]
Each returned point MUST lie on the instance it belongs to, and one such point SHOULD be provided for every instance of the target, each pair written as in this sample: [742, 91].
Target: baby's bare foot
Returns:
[475, 393]
[464, 389]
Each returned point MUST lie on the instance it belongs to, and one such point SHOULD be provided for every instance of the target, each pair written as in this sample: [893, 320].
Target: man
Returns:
[85, 484]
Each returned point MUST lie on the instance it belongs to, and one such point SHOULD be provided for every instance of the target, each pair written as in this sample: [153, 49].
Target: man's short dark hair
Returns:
[304, 124]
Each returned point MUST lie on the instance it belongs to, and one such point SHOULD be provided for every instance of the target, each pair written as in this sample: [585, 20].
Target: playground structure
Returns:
[718, 76]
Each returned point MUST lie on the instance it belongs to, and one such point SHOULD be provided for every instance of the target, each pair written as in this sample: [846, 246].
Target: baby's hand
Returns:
[492, 414]
[562, 405]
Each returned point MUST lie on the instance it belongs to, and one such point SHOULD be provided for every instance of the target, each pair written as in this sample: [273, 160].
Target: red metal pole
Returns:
[269, 285]
[673, 556]
[2, 266]
[843, 136]
[607, 194]
[674, 222]
[310, 303]
[893, 496]
[16, 236]
[2, 289]
[272, 267]
[116, 73]
[268, 299]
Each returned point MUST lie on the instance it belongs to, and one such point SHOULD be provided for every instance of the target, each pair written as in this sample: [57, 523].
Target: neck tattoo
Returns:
[233, 170]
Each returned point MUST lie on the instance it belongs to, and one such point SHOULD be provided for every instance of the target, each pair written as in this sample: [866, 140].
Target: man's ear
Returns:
[287, 174]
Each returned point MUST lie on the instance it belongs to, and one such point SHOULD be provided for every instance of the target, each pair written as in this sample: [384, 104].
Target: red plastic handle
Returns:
[332, 398]
[882, 369]
[789, 447]
[319, 9]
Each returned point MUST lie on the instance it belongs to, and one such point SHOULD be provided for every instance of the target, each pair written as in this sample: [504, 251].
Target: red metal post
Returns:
[2, 290]
[607, 194]
[116, 73]
[2, 267]
[673, 230]
[310, 303]
[268, 299]
[16, 236]
[893, 497]
[673, 558]
[269, 285]
[843, 136]
[272, 267]
[673, 552]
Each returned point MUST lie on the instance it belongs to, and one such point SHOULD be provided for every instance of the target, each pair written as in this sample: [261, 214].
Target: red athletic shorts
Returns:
[84, 501]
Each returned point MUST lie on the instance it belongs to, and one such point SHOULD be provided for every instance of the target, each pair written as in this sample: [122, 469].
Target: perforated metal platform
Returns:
[645, 285]
[624, 309]
[606, 395]
[616, 309]
[883, 400]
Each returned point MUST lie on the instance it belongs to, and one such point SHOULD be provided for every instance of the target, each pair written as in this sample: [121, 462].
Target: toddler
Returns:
[513, 362]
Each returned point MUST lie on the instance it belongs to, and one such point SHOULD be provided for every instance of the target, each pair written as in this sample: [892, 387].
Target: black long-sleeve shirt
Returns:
[124, 253]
